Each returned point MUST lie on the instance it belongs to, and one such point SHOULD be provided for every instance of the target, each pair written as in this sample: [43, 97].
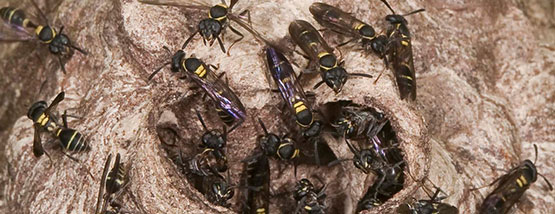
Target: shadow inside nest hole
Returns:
[348, 189]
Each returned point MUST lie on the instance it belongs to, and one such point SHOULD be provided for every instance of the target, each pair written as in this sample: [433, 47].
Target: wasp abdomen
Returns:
[72, 140]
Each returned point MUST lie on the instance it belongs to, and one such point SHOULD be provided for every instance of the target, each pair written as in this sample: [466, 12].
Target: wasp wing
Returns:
[308, 39]
[335, 19]
[54, 103]
[102, 183]
[402, 63]
[220, 93]
[38, 150]
[189, 4]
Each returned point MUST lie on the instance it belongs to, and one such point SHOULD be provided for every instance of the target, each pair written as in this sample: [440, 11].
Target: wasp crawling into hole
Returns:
[18, 27]
[212, 27]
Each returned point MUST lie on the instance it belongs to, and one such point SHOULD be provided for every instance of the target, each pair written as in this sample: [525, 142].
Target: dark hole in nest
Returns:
[181, 142]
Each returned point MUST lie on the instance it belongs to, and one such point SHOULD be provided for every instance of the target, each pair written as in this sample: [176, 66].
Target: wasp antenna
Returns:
[546, 181]
[416, 11]
[352, 148]
[225, 133]
[201, 120]
[263, 126]
[317, 85]
[361, 75]
[536, 151]
[388, 6]
[158, 70]
[78, 49]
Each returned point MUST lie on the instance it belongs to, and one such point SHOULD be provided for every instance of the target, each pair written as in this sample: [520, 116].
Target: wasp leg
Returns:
[62, 64]
[234, 42]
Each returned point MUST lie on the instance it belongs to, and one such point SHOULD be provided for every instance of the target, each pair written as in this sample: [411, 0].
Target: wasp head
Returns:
[335, 78]
[396, 19]
[303, 188]
[36, 110]
[378, 45]
[269, 143]
[213, 139]
[222, 192]
[60, 44]
[530, 171]
[209, 29]
[177, 58]
[365, 161]
[345, 126]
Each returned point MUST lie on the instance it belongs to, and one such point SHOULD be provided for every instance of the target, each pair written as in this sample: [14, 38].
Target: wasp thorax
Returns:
[396, 19]
[327, 61]
[304, 117]
[213, 139]
[192, 64]
[335, 78]
[218, 12]
[367, 32]
[379, 45]
[302, 188]
[45, 33]
[176, 60]
[36, 110]
[286, 151]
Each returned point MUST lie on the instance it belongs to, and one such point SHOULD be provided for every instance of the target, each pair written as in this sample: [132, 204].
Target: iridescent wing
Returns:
[220, 93]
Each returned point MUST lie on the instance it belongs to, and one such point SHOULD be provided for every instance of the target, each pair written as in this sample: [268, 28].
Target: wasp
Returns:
[399, 52]
[357, 123]
[45, 121]
[22, 28]
[309, 198]
[282, 148]
[212, 159]
[217, 190]
[318, 51]
[390, 181]
[511, 187]
[209, 28]
[258, 185]
[292, 92]
[114, 181]
[344, 23]
[432, 206]
[229, 107]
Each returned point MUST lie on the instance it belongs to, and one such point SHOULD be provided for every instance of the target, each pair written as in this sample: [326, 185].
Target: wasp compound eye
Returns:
[327, 61]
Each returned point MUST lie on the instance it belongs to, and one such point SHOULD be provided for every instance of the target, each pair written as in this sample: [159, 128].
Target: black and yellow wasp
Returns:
[17, 26]
[114, 181]
[511, 187]
[228, 106]
[344, 23]
[308, 198]
[212, 159]
[399, 52]
[320, 54]
[258, 186]
[273, 146]
[44, 121]
[209, 28]
[432, 206]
